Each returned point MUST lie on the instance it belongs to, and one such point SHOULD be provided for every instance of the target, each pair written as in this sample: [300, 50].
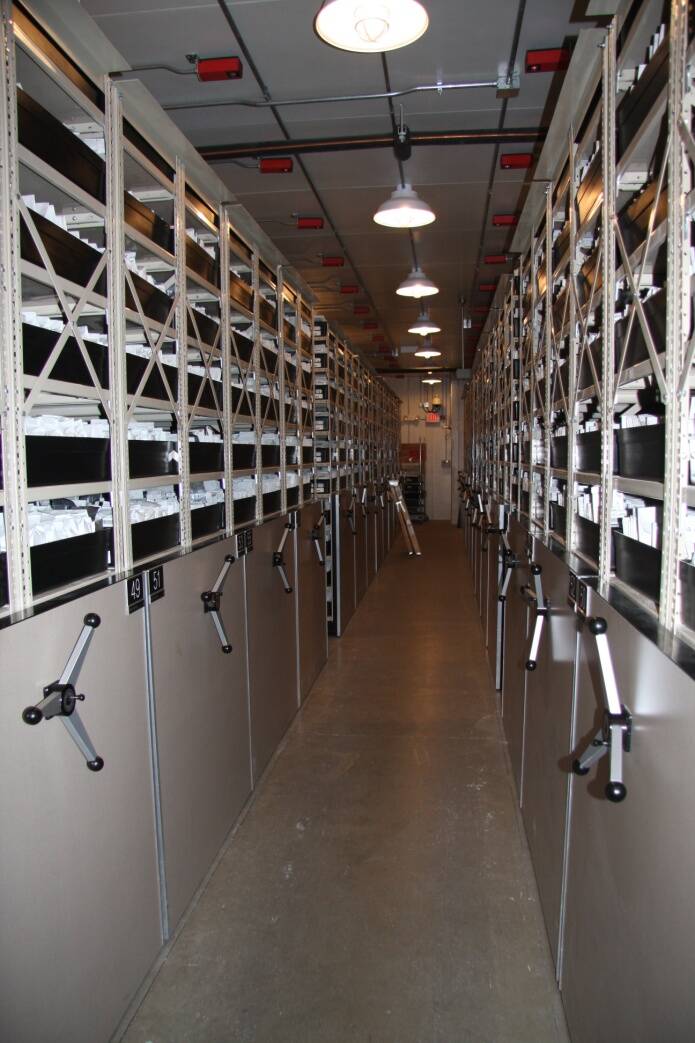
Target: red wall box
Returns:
[209, 70]
[276, 165]
[553, 59]
[504, 220]
[309, 222]
[496, 258]
[516, 160]
[487, 287]
[332, 262]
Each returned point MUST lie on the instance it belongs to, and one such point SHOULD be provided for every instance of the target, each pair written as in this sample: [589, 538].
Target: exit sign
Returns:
[433, 418]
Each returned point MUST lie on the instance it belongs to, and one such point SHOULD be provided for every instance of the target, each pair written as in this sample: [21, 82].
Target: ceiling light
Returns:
[404, 209]
[372, 26]
[424, 325]
[427, 353]
[431, 380]
[417, 285]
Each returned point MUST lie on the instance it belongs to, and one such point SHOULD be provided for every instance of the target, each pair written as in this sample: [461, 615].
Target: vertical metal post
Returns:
[609, 86]
[115, 247]
[256, 357]
[281, 389]
[11, 361]
[182, 338]
[533, 371]
[226, 336]
[571, 417]
[548, 366]
[677, 316]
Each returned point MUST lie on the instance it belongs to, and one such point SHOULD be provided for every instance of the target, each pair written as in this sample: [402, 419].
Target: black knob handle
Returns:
[531, 664]
[616, 792]
[32, 715]
[92, 620]
[578, 769]
[96, 765]
[598, 625]
[230, 558]
[226, 649]
[536, 569]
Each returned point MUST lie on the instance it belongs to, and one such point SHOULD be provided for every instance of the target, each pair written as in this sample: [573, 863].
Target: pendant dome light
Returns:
[424, 325]
[404, 209]
[372, 26]
[431, 380]
[417, 285]
[427, 352]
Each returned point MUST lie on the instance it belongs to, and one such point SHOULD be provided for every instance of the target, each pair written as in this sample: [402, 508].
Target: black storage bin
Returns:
[240, 402]
[44, 135]
[589, 451]
[135, 366]
[71, 258]
[244, 511]
[242, 348]
[147, 223]
[70, 366]
[634, 218]
[591, 189]
[243, 456]
[686, 572]
[206, 399]
[151, 459]
[558, 452]
[558, 516]
[52, 460]
[200, 262]
[206, 456]
[308, 454]
[292, 455]
[637, 103]
[641, 452]
[307, 488]
[155, 536]
[4, 595]
[206, 521]
[67, 561]
[290, 372]
[587, 537]
[153, 301]
[637, 564]
[270, 456]
[561, 244]
[293, 496]
[272, 502]
[267, 312]
[208, 330]
[240, 292]
[655, 313]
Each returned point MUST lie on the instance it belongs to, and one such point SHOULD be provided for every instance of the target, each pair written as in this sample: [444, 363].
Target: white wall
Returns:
[442, 440]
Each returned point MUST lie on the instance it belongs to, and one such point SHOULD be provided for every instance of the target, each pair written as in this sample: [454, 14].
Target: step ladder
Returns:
[404, 518]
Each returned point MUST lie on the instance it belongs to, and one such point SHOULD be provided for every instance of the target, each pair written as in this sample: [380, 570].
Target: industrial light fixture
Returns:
[372, 26]
[424, 325]
[417, 285]
[427, 353]
[431, 380]
[404, 209]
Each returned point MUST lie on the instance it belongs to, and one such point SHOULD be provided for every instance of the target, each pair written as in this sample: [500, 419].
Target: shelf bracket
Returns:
[60, 698]
[279, 562]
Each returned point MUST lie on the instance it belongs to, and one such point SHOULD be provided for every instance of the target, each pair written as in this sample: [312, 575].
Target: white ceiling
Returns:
[467, 40]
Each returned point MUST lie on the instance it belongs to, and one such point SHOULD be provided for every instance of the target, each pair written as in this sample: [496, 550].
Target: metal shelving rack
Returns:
[599, 401]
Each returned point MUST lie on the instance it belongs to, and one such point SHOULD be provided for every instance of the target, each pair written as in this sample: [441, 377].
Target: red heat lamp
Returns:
[552, 59]
[276, 165]
[332, 262]
[211, 70]
[309, 223]
[516, 160]
[504, 220]
[496, 258]
[349, 288]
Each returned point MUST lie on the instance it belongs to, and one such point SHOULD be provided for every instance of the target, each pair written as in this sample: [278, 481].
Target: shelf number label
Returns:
[156, 583]
[582, 597]
[572, 592]
[135, 593]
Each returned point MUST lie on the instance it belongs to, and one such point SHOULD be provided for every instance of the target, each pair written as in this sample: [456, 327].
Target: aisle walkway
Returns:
[380, 889]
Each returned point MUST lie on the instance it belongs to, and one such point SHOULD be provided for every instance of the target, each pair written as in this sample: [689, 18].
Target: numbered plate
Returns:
[135, 593]
[156, 583]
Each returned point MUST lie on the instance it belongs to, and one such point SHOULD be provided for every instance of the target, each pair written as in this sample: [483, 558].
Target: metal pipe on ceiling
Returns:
[353, 142]
[439, 88]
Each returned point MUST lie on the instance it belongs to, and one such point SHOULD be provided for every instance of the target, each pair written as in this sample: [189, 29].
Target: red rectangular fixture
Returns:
[309, 222]
[361, 309]
[349, 288]
[209, 70]
[504, 220]
[496, 258]
[370, 325]
[332, 262]
[487, 287]
[551, 59]
[516, 160]
[276, 165]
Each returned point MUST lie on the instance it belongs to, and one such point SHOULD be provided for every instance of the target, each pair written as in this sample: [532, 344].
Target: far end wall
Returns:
[442, 440]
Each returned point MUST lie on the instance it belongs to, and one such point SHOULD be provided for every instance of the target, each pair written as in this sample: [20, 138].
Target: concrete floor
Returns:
[380, 888]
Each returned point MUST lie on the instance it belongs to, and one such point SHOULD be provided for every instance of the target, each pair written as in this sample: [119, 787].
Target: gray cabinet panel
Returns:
[549, 699]
[371, 523]
[515, 655]
[201, 702]
[361, 550]
[311, 600]
[495, 615]
[380, 523]
[272, 643]
[630, 917]
[78, 864]
[344, 560]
